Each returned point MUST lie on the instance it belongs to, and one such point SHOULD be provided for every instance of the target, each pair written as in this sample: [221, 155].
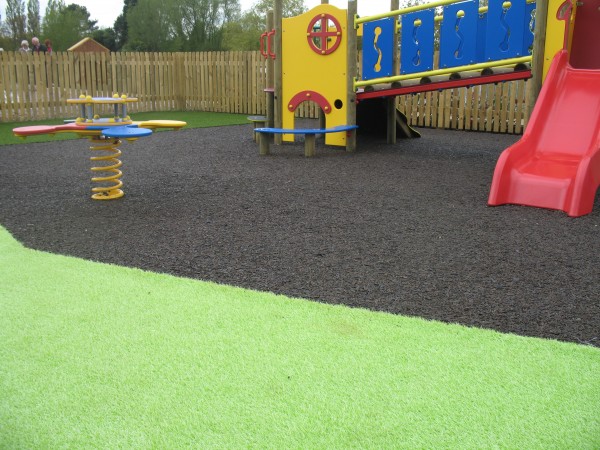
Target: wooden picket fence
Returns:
[35, 87]
[501, 108]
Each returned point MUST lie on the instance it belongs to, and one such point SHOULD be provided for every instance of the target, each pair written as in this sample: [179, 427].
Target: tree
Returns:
[201, 22]
[244, 34]
[6, 41]
[121, 27]
[290, 8]
[15, 20]
[66, 25]
[149, 26]
[106, 37]
[175, 25]
[83, 15]
[33, 18]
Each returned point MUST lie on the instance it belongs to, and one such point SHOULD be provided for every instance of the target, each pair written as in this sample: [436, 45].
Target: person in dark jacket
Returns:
[36, 47]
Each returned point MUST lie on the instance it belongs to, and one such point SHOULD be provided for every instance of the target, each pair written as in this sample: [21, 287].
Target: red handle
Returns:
[564, 13]
[270, 34]
[262, 44]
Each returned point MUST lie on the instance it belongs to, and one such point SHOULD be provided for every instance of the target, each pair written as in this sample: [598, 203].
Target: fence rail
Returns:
[36, 87]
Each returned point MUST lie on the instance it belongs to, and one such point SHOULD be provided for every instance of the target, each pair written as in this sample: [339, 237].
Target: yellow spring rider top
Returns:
[105, 135]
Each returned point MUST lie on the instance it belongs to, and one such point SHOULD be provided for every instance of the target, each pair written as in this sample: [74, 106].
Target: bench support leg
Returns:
[309, 145]
[264, 143]
[257, 124]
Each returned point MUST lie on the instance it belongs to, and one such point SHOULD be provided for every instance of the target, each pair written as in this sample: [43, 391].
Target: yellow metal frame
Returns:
[412, 76]
[358, 20]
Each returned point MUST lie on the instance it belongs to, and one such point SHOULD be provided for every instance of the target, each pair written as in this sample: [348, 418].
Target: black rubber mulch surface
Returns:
[403, 228]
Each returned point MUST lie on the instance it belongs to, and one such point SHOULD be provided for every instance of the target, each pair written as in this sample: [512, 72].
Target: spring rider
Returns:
[105, 135]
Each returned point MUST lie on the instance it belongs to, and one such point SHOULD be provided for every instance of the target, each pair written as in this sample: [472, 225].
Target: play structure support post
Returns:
[278, 101]
[322, 121]
[537, 62]
[270, 78]
[391, 101]
[351, 74]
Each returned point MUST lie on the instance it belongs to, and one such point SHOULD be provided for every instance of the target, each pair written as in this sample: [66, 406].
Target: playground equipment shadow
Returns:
[402, 228]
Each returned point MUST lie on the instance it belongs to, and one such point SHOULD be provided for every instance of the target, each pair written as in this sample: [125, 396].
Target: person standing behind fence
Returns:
[37, 47]
[48, 44]
[24, 46]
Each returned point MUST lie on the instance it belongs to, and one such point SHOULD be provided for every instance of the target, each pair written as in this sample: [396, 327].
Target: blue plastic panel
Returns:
[458, 39]
[481, 33]
[505, 30]
[416, 54]
[529, 27]
[378, 48]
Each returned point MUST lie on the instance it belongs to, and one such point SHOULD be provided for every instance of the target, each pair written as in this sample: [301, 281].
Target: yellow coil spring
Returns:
[113, 163]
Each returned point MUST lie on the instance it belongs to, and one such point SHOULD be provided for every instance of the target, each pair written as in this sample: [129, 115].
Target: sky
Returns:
[106, 11]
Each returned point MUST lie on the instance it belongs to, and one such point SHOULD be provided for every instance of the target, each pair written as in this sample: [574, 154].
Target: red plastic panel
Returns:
[585, 50]
[312, 96]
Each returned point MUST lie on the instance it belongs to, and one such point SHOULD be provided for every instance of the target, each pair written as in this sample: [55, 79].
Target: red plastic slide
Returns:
[556, 164]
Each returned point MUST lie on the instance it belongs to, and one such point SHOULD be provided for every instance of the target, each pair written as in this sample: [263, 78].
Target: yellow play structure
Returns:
[314, 58]
[316, 70]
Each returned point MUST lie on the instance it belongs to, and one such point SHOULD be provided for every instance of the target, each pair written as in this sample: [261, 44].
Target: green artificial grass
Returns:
[102, 356]
[193, 119]
[196, 119]
[7, 137]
